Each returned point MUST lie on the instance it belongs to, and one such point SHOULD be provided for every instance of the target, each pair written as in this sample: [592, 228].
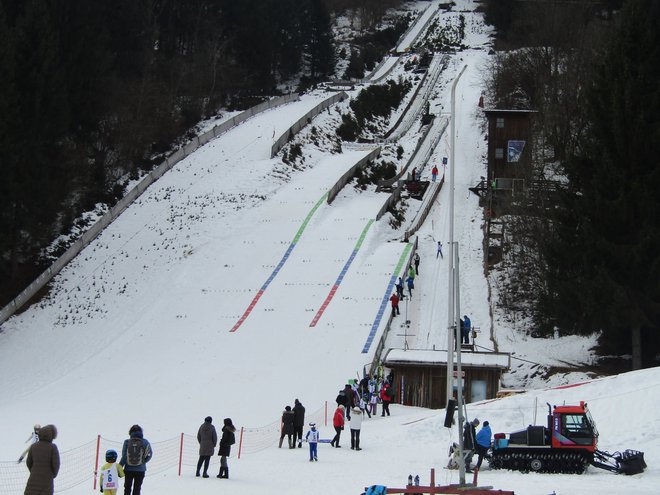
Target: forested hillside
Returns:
[94, 92]
[584, 254]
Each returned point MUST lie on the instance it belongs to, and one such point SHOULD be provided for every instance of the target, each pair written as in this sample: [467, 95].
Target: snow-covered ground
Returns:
[198, 301]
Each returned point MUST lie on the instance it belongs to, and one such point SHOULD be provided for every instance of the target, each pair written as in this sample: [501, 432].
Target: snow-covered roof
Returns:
[430, 357]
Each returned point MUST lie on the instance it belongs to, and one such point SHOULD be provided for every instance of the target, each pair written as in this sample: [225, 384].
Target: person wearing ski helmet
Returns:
[110, 473]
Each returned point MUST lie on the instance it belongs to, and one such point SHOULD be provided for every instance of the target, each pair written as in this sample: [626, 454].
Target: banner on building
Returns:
[515, 150]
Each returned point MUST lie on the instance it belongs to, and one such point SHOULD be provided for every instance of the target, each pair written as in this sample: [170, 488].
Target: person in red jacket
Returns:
[386, 394]
[395, 305]
[338, 423]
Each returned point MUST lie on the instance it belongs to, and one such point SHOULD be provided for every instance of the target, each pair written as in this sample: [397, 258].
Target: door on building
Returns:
[478, 390]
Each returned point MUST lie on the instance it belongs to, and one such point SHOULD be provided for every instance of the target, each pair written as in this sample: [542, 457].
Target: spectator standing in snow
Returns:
[483, 443]
[208, 439]
[228, 439]
[394, 299]
[439, 251]
[434, 173]
[355, 426]
[338, 424]
[287, 426]
[373, 402]
[312, 438]
[372, 384]
[298, 422]
[43, 462]
[416, 260]
[350, 402]
[413, 174]
[386, 397]
[411, 285]
[469, 442]
[32, 439]
[135, 453]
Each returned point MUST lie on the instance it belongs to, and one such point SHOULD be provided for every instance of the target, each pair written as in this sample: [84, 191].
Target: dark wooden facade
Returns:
[505, 126]
[425, 384]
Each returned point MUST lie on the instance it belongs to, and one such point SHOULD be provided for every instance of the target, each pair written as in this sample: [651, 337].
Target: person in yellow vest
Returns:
[110, 473]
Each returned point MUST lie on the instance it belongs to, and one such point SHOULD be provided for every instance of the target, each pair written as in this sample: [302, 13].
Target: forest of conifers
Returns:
[92, 91]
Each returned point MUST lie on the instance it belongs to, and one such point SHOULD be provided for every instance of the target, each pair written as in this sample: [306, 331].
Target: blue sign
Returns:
[515, 150]
[444, 160]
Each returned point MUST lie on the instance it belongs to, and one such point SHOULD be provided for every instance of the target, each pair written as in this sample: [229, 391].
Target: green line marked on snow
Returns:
[309, 217]
[386, 298]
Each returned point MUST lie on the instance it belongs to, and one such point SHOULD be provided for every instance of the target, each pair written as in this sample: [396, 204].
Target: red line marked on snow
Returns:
[247, 311]
[329, 297]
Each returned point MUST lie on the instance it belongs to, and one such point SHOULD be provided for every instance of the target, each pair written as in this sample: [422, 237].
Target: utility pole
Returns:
[451, 315]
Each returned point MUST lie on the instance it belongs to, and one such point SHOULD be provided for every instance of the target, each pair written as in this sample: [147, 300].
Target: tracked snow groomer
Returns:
[568, 444]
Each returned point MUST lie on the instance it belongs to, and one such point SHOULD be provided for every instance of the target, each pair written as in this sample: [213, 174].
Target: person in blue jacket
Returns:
[483, 442]
[135, 453]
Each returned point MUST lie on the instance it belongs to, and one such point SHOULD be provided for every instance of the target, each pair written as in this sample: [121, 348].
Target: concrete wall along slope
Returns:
[130, 197]
[304, 120]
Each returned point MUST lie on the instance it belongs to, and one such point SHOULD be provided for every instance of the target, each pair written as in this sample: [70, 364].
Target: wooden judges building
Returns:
[420, 376]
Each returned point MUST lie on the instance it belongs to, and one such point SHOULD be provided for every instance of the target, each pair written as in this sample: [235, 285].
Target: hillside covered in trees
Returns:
[92, 93]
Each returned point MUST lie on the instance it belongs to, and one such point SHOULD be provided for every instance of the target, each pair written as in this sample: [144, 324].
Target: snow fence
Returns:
[81, 464]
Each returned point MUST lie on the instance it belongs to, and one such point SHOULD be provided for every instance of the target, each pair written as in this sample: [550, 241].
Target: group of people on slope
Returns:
[399, 295]
[207, 437]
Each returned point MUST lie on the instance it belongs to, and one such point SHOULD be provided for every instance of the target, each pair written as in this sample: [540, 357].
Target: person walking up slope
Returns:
[208, 439]
[135, 453]
[394, 299]
[228, 439]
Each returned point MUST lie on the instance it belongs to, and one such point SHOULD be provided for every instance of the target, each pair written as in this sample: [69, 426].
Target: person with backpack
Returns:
[228, 439]
[298, 422]
[386, 395]
[43, 462]
[135, 453]
[110, 473]
[208, 439]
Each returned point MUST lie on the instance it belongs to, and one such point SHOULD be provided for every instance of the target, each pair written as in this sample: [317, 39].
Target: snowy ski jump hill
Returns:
[231, 287]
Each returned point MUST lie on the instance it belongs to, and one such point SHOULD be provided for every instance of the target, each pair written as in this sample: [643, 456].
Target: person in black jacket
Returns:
[298, 422]
[287, 426]
[469, 442]
[228, 439]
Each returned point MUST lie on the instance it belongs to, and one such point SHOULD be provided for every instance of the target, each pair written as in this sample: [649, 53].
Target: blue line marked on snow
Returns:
[386, 298]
